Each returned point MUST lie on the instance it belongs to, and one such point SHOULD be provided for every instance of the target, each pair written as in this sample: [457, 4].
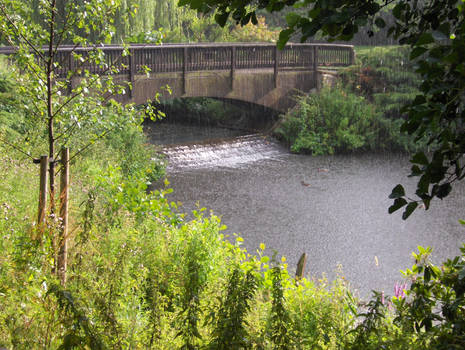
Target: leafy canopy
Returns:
[435, 32]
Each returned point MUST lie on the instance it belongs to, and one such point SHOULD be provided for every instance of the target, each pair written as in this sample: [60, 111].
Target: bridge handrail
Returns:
[204, 56]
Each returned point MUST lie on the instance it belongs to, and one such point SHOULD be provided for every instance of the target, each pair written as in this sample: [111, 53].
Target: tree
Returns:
[435, 32]
[63, 104]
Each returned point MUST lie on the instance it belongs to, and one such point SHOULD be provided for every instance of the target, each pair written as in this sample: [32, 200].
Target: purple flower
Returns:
[399, 290]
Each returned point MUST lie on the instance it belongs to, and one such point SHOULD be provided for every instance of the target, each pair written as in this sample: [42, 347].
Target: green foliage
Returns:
[385, 76]
[429, 316]
[258, 32]
[334, 120]
[280, 325]
[384, 80]
[229, 324]
[139, 276]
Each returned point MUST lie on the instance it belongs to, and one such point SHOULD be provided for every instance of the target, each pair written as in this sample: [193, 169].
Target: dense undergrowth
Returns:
[140, 276]
[362, 112]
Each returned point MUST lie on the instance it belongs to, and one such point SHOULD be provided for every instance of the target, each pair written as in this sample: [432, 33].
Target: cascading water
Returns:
[230, 153]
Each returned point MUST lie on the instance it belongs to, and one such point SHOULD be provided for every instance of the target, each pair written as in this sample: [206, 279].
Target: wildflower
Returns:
[399, 290]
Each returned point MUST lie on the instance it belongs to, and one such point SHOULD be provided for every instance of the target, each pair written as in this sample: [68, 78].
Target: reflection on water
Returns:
[333, 208]
[176, 134]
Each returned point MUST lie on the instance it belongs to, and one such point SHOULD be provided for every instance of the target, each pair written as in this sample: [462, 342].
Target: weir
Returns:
[256, 73]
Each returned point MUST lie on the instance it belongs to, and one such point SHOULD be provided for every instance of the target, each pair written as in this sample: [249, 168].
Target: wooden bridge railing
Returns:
[201, 57]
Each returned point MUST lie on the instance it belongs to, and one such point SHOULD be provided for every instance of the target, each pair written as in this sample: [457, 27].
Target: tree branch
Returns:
[28, 42]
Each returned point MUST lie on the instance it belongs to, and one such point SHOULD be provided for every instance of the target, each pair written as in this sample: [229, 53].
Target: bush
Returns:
[334, 120]
[363, 112]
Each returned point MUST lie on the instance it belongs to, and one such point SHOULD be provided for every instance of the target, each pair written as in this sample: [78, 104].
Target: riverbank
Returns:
[361, 112]
[139, 274]
[142, 274]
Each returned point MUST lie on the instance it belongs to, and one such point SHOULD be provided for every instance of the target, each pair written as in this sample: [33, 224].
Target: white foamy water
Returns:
[231, 153]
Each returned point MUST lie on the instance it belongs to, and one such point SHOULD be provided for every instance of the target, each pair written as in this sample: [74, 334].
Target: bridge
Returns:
[256, 73]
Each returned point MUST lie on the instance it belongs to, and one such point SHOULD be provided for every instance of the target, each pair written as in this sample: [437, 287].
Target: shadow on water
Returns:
[239, 117]
[333, 208]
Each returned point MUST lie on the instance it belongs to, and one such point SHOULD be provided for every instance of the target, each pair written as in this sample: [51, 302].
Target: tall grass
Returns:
[139, 274]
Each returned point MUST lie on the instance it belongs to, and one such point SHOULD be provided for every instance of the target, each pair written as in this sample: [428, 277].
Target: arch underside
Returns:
[257, 87]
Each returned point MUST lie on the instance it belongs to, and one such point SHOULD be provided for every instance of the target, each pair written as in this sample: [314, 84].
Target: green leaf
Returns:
[462, 274]
[221, 18]
[427, 274]
[398, 203]
[314, 12]
[254, 19]
[423, 184]
[443, 190]
[415, 171]
[397, 10]
[409, 210]
[292, 19]
[284, 38]
[417, 51]
[380, 23]
[419, 158]
[425, 39]
[397, 192]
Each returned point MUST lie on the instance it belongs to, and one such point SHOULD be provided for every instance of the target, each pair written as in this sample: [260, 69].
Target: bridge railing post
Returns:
[132, 71]
[72, 69]
[185, 57]
[233, 66]
[315, 67]
[276, 66]
[352, 56]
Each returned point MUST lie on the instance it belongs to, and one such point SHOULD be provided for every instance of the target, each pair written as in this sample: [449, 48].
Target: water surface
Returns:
[333, 208]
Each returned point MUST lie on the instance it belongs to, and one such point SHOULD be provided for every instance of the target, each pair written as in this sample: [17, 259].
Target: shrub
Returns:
[363, 112]
[334, 120]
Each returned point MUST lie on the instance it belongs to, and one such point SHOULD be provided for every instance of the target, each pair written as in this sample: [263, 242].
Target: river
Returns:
[334, 208]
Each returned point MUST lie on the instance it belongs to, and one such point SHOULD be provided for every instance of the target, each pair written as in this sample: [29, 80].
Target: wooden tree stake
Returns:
[63, 237]
[299, 274]
[42, 191]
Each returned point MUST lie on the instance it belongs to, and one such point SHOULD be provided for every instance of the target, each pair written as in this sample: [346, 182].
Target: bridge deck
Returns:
[198, 57]
[246, 72]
